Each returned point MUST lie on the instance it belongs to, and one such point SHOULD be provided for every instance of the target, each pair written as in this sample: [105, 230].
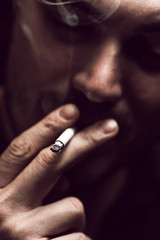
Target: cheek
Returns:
[142, 93]
[46, 57]
[142, 88]
[36, 75]
[145, 90]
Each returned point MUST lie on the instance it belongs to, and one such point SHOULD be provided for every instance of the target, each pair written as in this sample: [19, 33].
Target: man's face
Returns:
[110, 68]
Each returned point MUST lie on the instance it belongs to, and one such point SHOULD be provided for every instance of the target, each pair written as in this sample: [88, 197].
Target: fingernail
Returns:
[68, 112]
[108, 126]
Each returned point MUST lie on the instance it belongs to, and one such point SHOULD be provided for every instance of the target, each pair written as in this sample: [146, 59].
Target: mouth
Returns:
[90, 112]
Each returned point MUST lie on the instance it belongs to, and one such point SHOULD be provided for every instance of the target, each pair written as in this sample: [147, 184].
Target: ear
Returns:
[6, 20]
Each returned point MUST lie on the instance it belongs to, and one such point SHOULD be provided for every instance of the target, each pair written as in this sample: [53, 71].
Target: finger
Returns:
[87, 140]
[24, 147]
[57, 218]
[73, 236]
[52, 220]
[41, 174]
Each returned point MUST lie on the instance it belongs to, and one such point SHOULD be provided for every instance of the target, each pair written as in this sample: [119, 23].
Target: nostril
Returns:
[89, 95]
[96, 90]
[99, 97]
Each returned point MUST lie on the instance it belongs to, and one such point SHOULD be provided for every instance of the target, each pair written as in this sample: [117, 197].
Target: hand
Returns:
[29, 170]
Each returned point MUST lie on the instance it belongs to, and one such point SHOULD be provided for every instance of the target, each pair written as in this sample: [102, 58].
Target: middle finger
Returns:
[41, 174]
[22, 149]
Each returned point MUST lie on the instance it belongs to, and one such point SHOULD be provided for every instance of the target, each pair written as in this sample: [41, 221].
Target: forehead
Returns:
[130, 5]
[149, 3]
[129, 8]
[143, 10]
[141, 7]
[126, 12]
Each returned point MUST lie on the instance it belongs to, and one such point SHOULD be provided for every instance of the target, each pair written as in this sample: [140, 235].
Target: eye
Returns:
[72, 27]
[80, 12]
[145, 51]
[72, 14]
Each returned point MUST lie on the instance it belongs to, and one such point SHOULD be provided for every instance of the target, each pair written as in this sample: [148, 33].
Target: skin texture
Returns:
[22, 197]
[109, 70]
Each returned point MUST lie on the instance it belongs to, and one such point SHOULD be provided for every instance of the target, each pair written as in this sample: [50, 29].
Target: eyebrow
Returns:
[150, 23]
[85, 5]
[88, 8]
[82, 5]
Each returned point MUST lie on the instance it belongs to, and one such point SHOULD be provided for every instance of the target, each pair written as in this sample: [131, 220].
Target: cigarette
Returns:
[63, 139]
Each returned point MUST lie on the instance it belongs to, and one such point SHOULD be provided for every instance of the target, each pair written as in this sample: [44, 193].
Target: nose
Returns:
[100, 78]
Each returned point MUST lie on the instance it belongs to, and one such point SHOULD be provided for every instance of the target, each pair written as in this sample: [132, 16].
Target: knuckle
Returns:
[76, 210]
[19, 147]
[13, 224]
[81, 236]
[6, 205]
[5, 229]
[17, 226]
[51, 123]
[46, 157]
[5, 225]
[76, 205]
[10, 230]
[3, 215]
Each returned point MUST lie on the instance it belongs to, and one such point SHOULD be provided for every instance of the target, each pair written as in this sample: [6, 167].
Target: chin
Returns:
[94, 166]
[104, 161]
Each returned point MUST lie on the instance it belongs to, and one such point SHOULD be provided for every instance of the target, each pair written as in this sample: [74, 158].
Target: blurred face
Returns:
[103, 58]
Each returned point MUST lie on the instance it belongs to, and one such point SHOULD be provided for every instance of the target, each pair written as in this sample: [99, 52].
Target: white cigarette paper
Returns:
[66, 136]
[62, 140]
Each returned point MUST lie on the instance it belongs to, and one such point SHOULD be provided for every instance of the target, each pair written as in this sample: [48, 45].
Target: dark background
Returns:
[6, 20]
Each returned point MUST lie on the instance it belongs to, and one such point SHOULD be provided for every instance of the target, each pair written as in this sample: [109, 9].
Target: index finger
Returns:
[39, 177]
[22, 149]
